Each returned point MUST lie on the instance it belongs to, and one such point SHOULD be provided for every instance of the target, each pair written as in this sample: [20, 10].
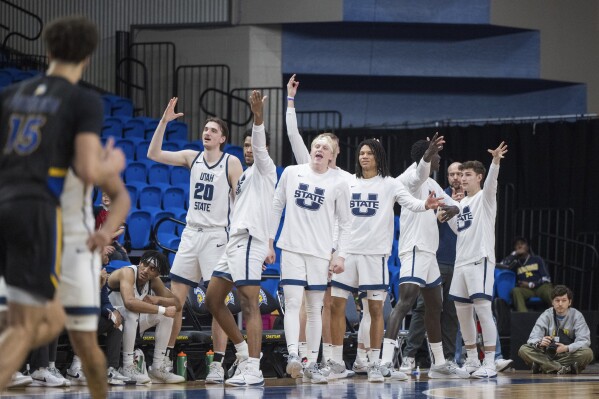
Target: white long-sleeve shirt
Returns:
[475, 224]
[313, 202]
[419, 229]
[298, 147]
[255, 190]
[371, 207]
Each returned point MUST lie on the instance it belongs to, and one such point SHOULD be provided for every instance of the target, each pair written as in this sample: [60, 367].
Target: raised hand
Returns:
[433, 202]
[257, 103]
[435, 145]
[498, 152]
[169, 112]
[292, 86]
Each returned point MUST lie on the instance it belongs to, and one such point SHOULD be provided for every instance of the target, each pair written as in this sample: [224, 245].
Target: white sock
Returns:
[472, 354]
[303, 349]
[254, 363]
[374, 355]
[76, 364]
[313, 304]
[362, 355]
[338, 353]
[51, 365]
[327, 352]
[389, 346]
[157, 360]
[490, 357]
[242, 349]
[293, 301]
[437, 350]
[127, 359]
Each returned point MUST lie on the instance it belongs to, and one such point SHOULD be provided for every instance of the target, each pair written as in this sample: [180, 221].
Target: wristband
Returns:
[161, 309]
[290, 98]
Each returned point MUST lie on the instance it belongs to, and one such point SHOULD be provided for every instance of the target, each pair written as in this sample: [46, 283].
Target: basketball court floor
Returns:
[512, 385]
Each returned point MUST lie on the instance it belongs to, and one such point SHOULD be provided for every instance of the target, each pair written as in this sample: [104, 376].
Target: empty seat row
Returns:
[117, 105]
[160, 196]
[141, 127]
[9, 76]
[155, 173]
[137, 149]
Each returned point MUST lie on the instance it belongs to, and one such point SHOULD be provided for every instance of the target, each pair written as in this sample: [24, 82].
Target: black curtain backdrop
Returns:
[549, 164]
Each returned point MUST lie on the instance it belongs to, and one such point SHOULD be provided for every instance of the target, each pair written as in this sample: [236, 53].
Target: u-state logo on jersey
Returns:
[200, 295]
[465, 218]
[262, 298]
[364, 208]
[309, 200]
[239, 184]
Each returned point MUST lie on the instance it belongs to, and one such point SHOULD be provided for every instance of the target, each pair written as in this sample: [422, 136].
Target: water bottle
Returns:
[182, 364]
[416, 373]
[209, 358]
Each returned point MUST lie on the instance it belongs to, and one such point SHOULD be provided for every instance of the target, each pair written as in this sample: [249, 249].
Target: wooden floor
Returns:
[512, 385]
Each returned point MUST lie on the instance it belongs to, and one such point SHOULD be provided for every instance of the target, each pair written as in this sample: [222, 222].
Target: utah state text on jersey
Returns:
[357, 204]
[308, 200]
[465, 218]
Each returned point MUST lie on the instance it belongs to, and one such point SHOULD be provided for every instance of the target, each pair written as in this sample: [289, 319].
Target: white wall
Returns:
[569, 38]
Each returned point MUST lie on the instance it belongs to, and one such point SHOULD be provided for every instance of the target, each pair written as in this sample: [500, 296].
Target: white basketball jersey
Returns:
[255, 190]
[76, 203]
[475, 224]
[313, 201]
[209, 189]
[420, 229]
[371, 207]
[115, 296]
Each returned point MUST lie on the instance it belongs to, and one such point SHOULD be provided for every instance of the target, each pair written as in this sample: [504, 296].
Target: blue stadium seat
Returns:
[159, 174]
[173, 244]
[235, 150]
[118, 105]
[136, 172]
[141, 152]
[505, 281]
[176, 130]
[179, 175]
[196, 146]
[116, 264]
[139, 226]
[170, 146]
[185, 188]
[133, 194]
[113, 126]
[128, 146]
[150, 197]
[150, 127]
[135, 127]
[5, 78]
[173, 197]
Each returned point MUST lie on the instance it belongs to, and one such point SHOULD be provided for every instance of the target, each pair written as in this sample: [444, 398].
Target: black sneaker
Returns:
[536, 368]
[574, 368]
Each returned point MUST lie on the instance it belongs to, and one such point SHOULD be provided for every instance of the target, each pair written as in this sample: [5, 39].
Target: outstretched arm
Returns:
[262, 159]
[490, 185]
[300, 152]
[155, 153]
[416, 178]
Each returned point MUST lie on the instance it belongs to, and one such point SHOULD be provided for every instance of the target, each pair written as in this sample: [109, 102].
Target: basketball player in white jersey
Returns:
[373, 194]
[418, 244]
[213, 174]
[79, 289]
[140, 296]
[246, 251]
[315, 197]
[474, 273]
[302, 156]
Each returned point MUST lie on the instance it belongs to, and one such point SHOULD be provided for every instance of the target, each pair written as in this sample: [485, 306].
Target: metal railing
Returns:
[203, 91]
[572, 263]
[159, 59]
[139, 87]
[12, 33]
[557, 221]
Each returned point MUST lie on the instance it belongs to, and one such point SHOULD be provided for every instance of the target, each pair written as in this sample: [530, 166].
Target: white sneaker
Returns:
[471, 365]
[389, 372]
[114, 373]
[42, 377]
[447, 370]
[58, 374]
[503, 364]
[314, 375]
[294, 366]
[161, 375]
[75, 376]
[374, 373]
[336, 370]
[407, 365]
[18, 379]
[134, 374]
[359, 367]
[216, 373]
[486, 370]
[246, 376]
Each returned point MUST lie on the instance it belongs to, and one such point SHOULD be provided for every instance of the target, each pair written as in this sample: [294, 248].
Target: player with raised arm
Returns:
[302, 156]
[315, 197]
[47, 124]
[418, 243]
[373, 194]
[241, 265]
[213, 176]
[473, 276]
